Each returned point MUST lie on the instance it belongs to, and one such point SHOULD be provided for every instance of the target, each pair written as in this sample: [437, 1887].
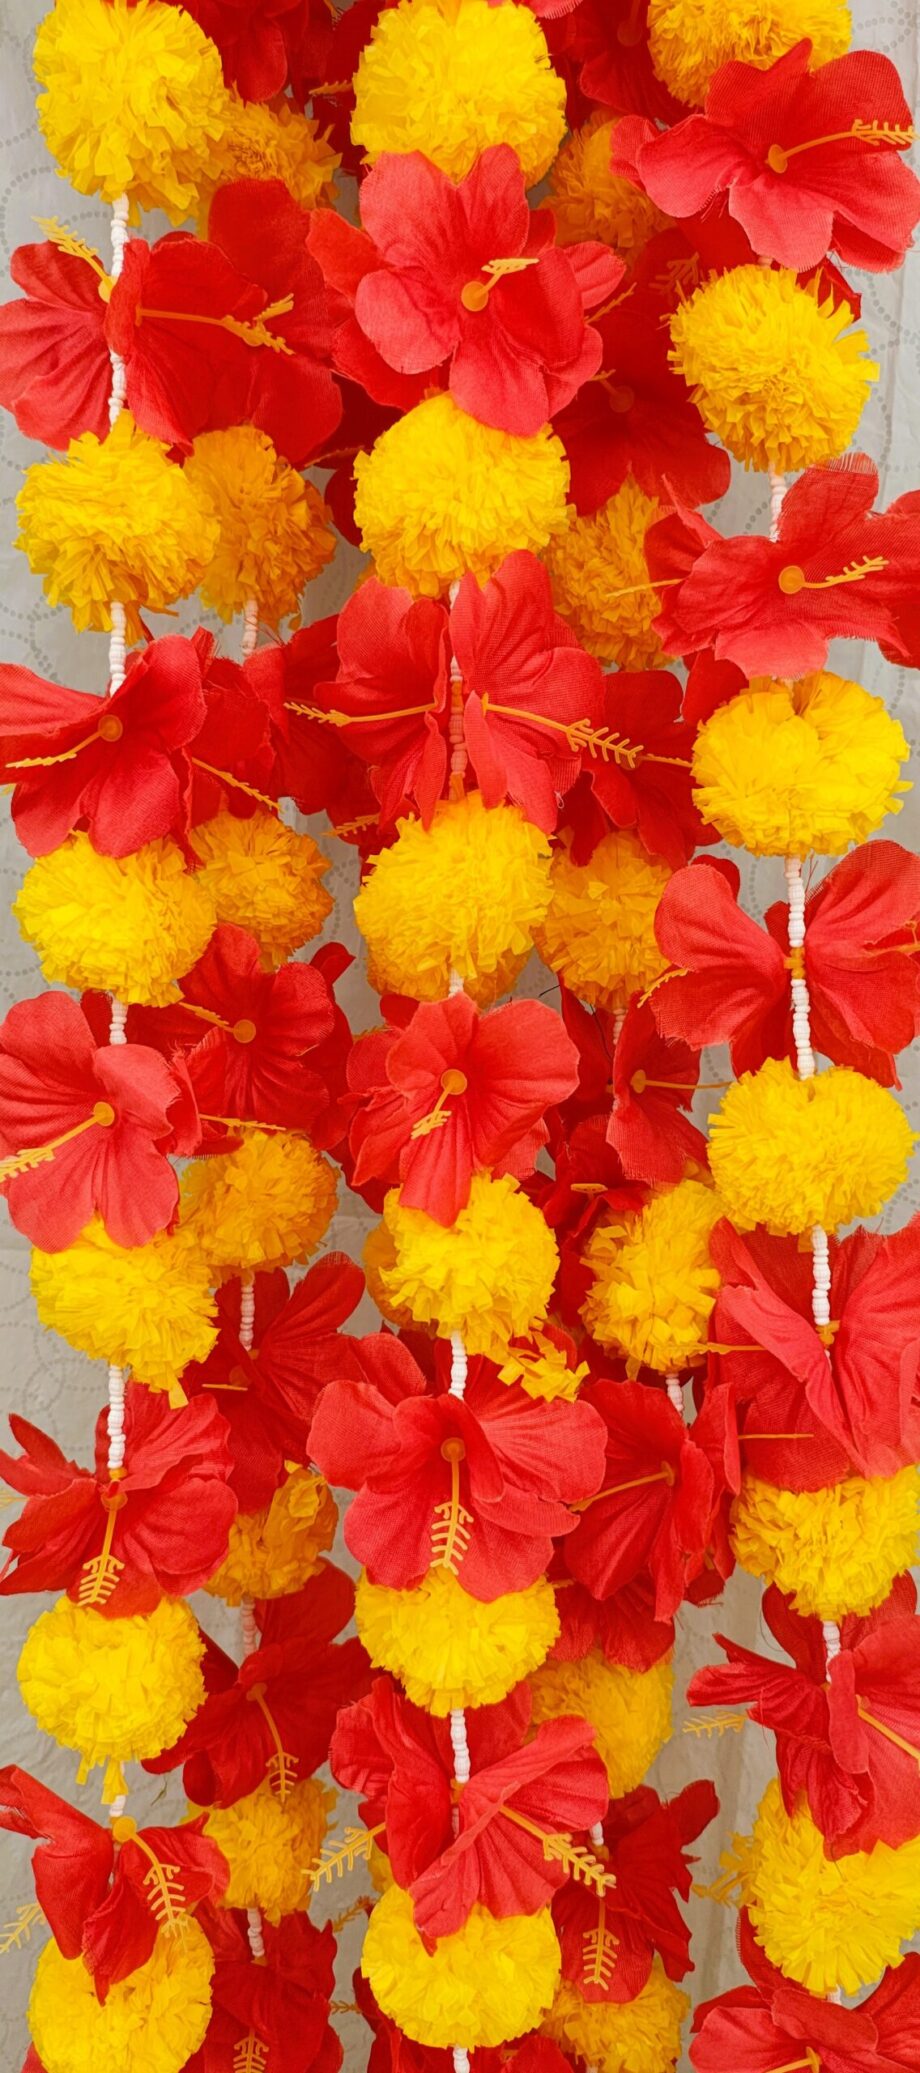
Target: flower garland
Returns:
[607, 1368]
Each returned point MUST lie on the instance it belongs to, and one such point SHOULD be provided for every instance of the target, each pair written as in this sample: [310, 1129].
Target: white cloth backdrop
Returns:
[59, 1390]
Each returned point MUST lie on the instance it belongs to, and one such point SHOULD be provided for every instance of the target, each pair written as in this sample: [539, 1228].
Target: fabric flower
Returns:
[121, 1543]
[609, 1941]
[637, 770]
[606, 42]
[635, 415]
[457, 1092]
[622, 1629]
[278, 2003]
[255, 38]
[653, 1085]
[87, 1130]
[292, 396]
[776, 2022]
[476, 1486]
[806, 160]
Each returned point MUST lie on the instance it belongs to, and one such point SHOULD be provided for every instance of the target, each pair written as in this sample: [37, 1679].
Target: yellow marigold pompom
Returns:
[654, 1282]
[265, 1205]
[791, 1153]
[775, 373]
[488, 1275]
[830, 1551]
[450, 77]
[638, 2036]
[440, 496]
[265, 877]
[132, 102]
[114, 1689]
[599, 930]
[827, 1922]
[629, 1710]
[690, 39]
[115, 519]
[261, 140]
[145, 1307]
[590, 200]
[488, 1982]
[156, 2018]
[465, 895]
[273, 536]
[271, 1845]
[277, 1550]
[601, 582]
[541, 1368]
[449, 1649]
[132, 924]
[786, 768]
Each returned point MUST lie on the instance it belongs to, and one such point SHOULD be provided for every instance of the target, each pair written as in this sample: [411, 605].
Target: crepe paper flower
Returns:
[776, 2022]
[791, 1153]
[107, 1892]
[157, 1528]
[271, 1717]
[609, 1941]
[663, 1486]
[392, 2050]
[543, 1789]
[687, 51]
[621, 1629]
[87, 1130]
[846, 1729]
[117, 767]
[454, 1093]
[635, 415]
[837, 570]
[589, 200]
[254, 38]
[605, 2033]
[278, 2004]
[476, 1486]
[805, 160]
[858, 1375]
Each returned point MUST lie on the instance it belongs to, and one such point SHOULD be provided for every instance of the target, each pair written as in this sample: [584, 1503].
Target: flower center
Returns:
[453, 1450]
[454, 1081]
[104, 1114]
[110, 728]
[474, 295]
[245, 1031]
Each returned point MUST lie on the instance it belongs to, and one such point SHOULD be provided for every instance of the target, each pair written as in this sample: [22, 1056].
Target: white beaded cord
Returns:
[250, 628]
[115, 1423]
[249, 1632]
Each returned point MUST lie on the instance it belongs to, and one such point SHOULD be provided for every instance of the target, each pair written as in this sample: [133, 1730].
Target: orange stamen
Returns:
[792, 579]
[888, 1733]
[475, 295]
[282, 1768]
[102, 1118]
[860, 132]
[110, 729]
[640, 1081]
[665, 1474]
[376, 719]
[167, 1903]
[253, 331]
[451, 1530]
[239, 784]
[453, 1081]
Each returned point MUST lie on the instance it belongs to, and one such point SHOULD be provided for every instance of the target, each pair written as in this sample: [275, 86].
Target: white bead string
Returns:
[249, 1632]
[250, 628]
[459, 1364]
[115, 1423]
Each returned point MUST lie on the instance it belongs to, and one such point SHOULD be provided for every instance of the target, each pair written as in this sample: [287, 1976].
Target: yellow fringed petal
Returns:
[488, 1275]
[690, 39]
[450, 77]
[590, 200]
[121, 1688]
[637, 2036]
[449, 1649]
[275, 1551]
[273, 536]
[792, 1153]
[830, 1551]
[601, 583]
[490, 1981]
[155, 2019]
[261, 141]
[146, 1307]
[629, 1710]
[654, 1282]
[271, 1845]
[599, 928]
[827, 1922]
[265, 877]
[131, 924]
[265, 1205]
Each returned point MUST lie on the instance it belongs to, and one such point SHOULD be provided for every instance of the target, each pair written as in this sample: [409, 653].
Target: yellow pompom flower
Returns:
[265, 1205]
[826, 1922]
[156, 2018]
[690, 39]
[132, 924]
[488, 1275]
[133, 100]
[450, 77]
[261, 140]
[638, 2036]
[599, 930]
[541, 1368]
[275, 1551]
[629, 1710]
[273, 536]
[264, 877]
[791, 1153]
[271, 1845]
[786, 768]
[450, 1650]
[145, 1307]
[488, 1982]
[590, 200]
[114, 1689]
[830, 1551]
[440, 496]
[777, 374]
[654, 1282]
[115, 519]
[465, 895]
[601, 582]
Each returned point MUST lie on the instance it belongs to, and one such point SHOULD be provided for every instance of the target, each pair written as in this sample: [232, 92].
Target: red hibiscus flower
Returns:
[262, 231]
[653, 1084]
[122, 1544]
[272, 2010]
[636, 416]
[87, 1130]
[731, 981]
[311, 763]
[392, 2052]
[271, 1717]
[624, 1626]
[610, 1940]
[636, 771]
[522, 1795]
[390, 695]
[847, 1730]
[837, 570]
[107, 1892]
[477, 1485]
[774, 2022]
[858, 1376]
[467, 274]
[117, 767]
[254, 38]
[663, 1487]
[344, 255]
[456, 1093]
[804, 160]
[267, 1393]
[607, 42]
